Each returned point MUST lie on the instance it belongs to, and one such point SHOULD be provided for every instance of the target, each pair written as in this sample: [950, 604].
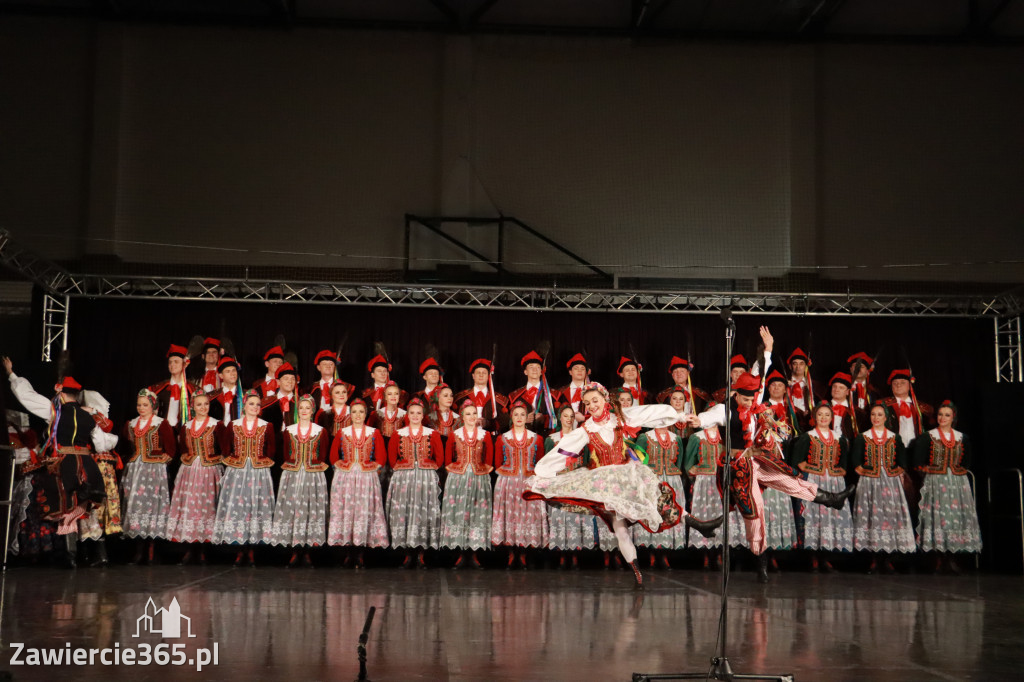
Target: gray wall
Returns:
[676, 160]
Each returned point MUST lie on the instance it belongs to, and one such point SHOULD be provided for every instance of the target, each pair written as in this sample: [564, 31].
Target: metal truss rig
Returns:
[535, 298]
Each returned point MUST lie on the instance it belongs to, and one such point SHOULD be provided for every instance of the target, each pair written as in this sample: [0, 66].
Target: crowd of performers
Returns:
[208, 461]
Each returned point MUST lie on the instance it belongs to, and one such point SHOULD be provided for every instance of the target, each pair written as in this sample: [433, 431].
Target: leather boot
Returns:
[705, 528]
[834, 500]
[637, 574]
[762, 568]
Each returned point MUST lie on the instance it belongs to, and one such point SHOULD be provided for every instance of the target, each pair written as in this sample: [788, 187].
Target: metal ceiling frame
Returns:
[59, 286]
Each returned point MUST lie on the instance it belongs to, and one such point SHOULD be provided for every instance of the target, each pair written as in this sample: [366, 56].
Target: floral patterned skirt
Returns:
[245, 510]
[948, 518]
[466, 511]
[674, 537]
[414, 513]
[707, 504]
[631, 491]
[881, 518]
[824, 527]
[35, 535]
[779, 520]
[146, 500]
[300, 517]
[106, 518]
[518, 522]
[570, 530]
[357, 510]
[193, 511]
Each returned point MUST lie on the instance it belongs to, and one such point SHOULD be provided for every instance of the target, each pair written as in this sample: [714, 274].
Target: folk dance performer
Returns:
[517, 522]
[881, 515]
[568, 531]
[74, 484]
[491, 410]
[904, 415]
[174, 394]
[432, 373]
[572, 394]
[801, 392]
[779, 516]
[758, 462]
[105, 519]
[947, 518]
[151, 444]
[703, 450]
[413, 499]
[863, 394]
[226, 401]
[665, 451]
[694, 399]
[300, 514]
[440, 415]
[466, 507]
[615, 486]
[193, 510]
[540, 418]
[821, 455]
[357, 505]
[629, 371]
[210, 379]
[245, 510]
[338, 415]
[326, 363]
[272, 359]
[380, 371]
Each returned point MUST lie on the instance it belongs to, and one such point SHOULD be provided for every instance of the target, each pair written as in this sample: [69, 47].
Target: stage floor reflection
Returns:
[275, 624]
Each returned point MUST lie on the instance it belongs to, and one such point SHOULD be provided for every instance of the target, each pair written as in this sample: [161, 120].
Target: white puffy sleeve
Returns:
[103, 441]
[650, 416]
[570, 445]
[27, 396]
[713, 417]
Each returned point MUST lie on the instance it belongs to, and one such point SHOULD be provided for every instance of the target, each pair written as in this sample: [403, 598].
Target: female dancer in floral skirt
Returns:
[881, 517]
[821, 455]
[300, 517]
[665, 453]
[245, 511]
[194, 504]
[357, 506]
[948, 519]
[568, 532]
[466, 505]
[151, 444]
[517, 522]
[414, 514]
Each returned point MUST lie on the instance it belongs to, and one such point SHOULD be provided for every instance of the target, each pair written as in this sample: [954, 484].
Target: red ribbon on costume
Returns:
[270, 386]
[479, 399]
[631, 431]
[577, 395]
[904, 410]
[378, 395]
[635, 392]
[210, 378]
[860, 392]
[286, 404]
[176, 392]
[779, 410]
[325, 393]
[531, 394]
[796, 391]
[839, 410]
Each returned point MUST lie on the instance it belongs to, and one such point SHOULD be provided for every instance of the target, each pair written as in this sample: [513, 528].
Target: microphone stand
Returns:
[720, 668]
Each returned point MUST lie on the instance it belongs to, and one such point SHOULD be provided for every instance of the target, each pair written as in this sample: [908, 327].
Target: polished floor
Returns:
[271, 623]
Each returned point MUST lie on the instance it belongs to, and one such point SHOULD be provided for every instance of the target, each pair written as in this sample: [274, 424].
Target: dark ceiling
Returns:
[978, 21]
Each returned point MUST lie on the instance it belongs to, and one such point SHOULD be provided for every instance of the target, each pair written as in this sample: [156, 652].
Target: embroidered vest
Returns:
[663, 460]
[387, 425]
[304, 456]
[204, 446]
[707, 458]
[469, 457]
[357, 455]
[823, 458]
[879, 459]
[603, 454]
[415, 453]
[518, 459]
[942, 458]
[249, 448]
[148, 445]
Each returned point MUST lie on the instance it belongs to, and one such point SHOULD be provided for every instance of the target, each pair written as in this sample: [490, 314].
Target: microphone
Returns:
[726, 315]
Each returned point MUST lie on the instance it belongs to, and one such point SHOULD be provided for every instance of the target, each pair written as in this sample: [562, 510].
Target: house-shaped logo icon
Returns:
[163, 622]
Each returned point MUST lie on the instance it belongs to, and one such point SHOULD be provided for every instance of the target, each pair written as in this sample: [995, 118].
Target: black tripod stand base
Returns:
[720, 670]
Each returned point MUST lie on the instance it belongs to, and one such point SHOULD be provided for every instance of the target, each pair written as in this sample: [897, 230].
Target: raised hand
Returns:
[8, 365]
[766, 338]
